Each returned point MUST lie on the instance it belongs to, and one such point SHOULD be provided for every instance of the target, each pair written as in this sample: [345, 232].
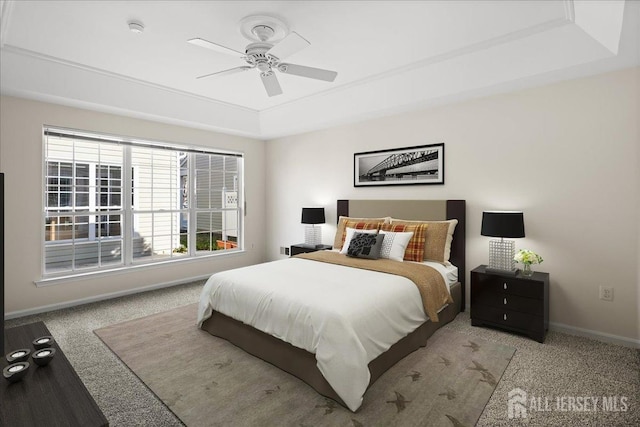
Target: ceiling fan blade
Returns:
[226, 72]
[289, 45]
[270, 82]
[310, 72]
[215, 47]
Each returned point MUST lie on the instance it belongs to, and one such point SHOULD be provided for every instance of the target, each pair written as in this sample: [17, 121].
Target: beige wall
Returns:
[21, 123]
[567, 154]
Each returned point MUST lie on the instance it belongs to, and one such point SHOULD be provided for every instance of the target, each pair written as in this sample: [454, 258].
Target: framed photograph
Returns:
[400, 166]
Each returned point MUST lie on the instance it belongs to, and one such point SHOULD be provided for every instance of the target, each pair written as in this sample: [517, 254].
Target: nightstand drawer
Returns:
[508, 285]
[511, 302]
[508, 318]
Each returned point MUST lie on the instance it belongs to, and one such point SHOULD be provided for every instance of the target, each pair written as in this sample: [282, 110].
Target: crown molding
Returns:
[569, 11]
[6, 8]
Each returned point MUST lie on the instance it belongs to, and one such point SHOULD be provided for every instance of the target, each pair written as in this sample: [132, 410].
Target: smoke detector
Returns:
[136, 27]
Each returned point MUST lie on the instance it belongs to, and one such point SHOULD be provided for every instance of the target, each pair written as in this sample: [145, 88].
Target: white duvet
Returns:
[345, 316]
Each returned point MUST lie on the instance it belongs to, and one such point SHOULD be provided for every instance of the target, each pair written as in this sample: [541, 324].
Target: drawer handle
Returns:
[505, 316]
[505, 286]
[505, 301]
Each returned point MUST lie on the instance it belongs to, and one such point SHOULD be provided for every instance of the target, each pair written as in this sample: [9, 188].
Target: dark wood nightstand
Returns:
[513, 303]
[302, 248]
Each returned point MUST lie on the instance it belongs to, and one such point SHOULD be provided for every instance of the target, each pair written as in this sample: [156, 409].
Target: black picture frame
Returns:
[419, 165]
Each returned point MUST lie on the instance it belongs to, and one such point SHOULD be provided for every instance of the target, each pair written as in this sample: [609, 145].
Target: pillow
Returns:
[349, 232]
[365, 245]
[394, 244]
[438, 238]
[359, 223]
[415, 248]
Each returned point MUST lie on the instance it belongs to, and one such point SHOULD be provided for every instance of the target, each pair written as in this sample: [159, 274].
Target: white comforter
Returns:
[345, 316]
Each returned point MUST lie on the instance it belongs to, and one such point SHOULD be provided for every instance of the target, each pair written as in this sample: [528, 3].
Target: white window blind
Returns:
[112, 202]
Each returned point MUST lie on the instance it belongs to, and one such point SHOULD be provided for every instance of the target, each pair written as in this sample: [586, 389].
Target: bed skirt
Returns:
[302, 364]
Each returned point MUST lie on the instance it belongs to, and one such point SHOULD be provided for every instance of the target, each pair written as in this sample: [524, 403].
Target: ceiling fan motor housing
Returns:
[257, 56]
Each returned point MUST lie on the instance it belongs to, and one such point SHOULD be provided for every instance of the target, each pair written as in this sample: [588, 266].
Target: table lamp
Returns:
[501, 252]
[311, 217]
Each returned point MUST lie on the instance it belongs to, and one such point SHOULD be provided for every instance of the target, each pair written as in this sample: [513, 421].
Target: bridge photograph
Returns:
[401, 166]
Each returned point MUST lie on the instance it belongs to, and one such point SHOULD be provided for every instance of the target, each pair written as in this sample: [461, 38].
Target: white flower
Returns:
[526, 256]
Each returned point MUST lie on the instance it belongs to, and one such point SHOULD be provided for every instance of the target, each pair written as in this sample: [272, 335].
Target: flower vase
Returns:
[527, 271]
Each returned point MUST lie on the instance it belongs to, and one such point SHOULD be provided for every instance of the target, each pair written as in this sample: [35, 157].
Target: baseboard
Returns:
[588, 333]
[102, 297]
[596, 335]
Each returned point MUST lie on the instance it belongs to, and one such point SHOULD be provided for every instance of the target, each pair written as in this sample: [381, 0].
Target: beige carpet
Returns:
[207, 381]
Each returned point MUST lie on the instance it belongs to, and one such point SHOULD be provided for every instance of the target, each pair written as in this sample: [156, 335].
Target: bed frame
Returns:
[300, 362]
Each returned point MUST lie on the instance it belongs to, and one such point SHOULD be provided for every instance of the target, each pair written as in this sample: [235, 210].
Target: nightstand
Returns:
[513, 303]
[302, 248]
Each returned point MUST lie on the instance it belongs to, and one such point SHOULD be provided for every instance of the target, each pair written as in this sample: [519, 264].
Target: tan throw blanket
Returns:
[430, 283]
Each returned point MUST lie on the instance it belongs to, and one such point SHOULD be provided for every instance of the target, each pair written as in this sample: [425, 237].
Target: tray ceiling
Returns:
[390, 56]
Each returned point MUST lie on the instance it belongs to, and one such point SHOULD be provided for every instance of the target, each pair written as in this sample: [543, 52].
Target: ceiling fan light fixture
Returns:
[264, 66]
[136, 27]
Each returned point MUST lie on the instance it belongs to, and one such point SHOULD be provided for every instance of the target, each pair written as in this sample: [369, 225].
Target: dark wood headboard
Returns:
[434, 210]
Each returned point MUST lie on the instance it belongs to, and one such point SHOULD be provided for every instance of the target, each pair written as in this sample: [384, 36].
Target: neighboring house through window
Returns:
[111, 202]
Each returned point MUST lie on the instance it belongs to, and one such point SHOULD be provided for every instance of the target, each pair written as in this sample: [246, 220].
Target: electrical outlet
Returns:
[284, 250]
[606, 293]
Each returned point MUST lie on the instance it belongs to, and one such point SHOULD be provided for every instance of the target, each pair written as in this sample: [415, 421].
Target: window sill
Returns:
[76, 277]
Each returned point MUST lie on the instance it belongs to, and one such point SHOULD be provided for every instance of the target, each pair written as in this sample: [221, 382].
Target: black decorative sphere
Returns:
[43, 356]
[20, 355]
[15, 371]
[43, 342]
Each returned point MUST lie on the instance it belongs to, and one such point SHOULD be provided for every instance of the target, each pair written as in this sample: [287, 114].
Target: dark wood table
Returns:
[50, 395]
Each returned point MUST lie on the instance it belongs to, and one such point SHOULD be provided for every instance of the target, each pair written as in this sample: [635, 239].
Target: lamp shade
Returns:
[313, 216]
[502, 224]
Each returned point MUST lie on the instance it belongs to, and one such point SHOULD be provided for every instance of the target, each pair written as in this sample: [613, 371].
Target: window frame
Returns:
[91, 209]
[128, 197]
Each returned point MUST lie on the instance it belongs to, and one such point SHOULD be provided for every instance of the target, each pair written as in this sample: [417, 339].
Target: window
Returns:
[111, 202]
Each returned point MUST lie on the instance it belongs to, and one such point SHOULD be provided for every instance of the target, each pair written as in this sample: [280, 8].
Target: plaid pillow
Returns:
[415, 248]
[338, 240]
[438, 238]
[358, 225]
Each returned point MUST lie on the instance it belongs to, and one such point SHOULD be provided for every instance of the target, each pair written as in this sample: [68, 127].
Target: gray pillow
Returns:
[365, 245]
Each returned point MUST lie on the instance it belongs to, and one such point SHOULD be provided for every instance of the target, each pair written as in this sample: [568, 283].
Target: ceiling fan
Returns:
[265, 55]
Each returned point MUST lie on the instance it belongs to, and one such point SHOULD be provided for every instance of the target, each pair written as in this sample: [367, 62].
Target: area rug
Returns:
[206, 381]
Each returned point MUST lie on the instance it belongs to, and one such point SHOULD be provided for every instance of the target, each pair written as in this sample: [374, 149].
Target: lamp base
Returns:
[312, 235]
[501, 253]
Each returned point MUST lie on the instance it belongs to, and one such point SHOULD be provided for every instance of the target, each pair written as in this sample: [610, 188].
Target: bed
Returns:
[308, 303]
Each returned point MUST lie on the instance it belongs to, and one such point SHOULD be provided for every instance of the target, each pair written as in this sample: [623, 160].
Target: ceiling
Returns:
[391, 56]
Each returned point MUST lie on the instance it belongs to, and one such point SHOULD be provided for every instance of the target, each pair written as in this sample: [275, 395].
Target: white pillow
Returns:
[349, 235]
[394, 244]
